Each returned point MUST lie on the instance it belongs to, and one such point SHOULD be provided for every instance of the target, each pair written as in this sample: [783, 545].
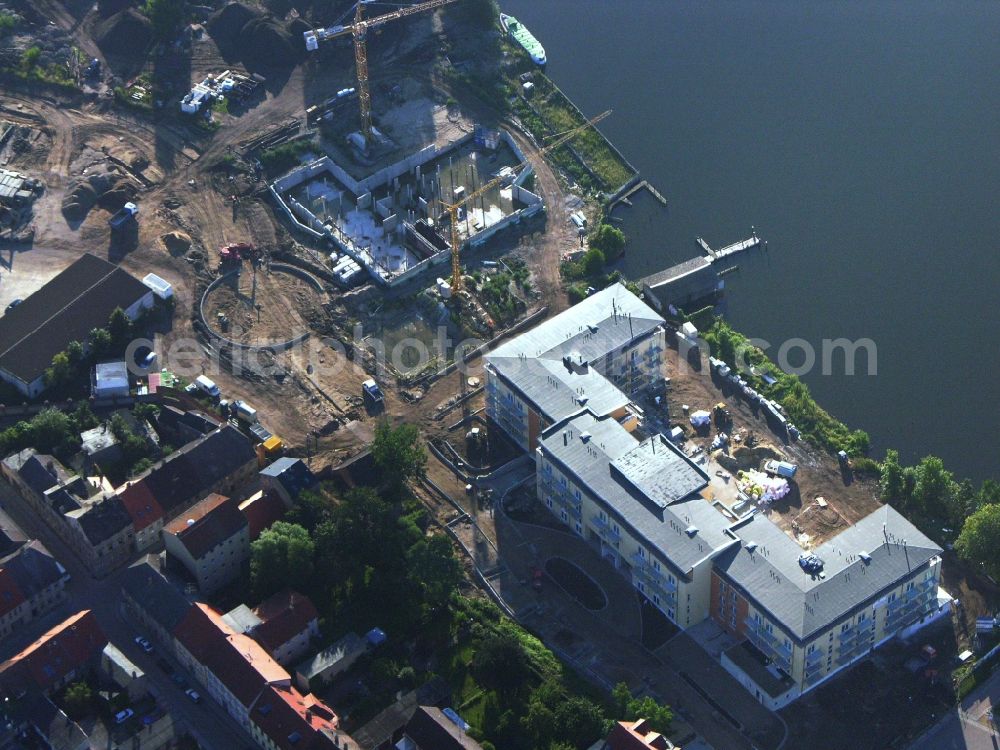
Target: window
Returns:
[642, 553]
[604, 516]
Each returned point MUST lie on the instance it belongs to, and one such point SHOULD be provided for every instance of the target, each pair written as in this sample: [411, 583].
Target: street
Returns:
[207, 722]
[969, 726]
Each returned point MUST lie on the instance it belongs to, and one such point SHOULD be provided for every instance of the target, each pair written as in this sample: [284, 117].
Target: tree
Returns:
[283, 554]
[892, 483]
[609, 240]
[621, 696]
[659, 717]
[99, 340]
[50, 429]
[933, 489]
[119, 327]
[30, 58]
[593, 262]
[979, 541]
[501, 663]
[399, 455]
[74, 350]
[435, 569]
[60, 371]
[78, 699]
[165, 15]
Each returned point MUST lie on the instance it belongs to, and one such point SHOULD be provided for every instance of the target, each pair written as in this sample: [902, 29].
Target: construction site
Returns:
[386, 193]
[395, 223]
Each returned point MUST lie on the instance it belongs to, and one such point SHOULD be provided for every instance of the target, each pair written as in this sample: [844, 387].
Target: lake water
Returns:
[862, 139]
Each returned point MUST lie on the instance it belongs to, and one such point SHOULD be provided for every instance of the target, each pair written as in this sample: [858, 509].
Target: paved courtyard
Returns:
[607, 643]
[968, 726]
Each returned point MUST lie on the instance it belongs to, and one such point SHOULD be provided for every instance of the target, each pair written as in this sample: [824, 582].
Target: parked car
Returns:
[122, 716]
[193, 695]
[178, 679]
[144, 644]
[14, 304]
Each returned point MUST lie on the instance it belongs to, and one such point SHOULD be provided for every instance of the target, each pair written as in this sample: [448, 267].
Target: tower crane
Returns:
[453, 208]
[359, 31]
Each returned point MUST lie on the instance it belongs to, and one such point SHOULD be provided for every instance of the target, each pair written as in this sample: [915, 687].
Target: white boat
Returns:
[523, 37]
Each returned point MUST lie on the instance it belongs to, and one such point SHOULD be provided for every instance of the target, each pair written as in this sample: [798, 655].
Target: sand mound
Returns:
[176, 243]
[127, 34]
[271, 43]
[105, 188]
[225, 25]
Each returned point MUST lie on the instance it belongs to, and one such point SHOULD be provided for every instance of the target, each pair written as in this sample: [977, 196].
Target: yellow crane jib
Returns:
[452, 209]
[359, 30]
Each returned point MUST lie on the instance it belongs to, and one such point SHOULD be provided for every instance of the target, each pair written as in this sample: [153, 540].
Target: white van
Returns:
[206, 386]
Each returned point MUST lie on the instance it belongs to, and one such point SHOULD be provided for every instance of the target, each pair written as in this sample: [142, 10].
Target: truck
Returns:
[781, 468]
[127, 214]
[244, 412]
[372, 392]
[236, 252]
[206, 386]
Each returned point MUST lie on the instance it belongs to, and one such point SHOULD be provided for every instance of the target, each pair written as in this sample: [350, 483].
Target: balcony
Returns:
[605, 529]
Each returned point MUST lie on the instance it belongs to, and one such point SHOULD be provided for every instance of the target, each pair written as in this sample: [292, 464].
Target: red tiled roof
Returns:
[60, 651]
[11, 595]
[636, 735]
[262, 510]
[298, 722]
[208, 524]
[141, 505]
[242, 665]
[283, 616]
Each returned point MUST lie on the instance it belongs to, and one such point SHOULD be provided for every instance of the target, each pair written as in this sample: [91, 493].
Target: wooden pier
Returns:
[737, 247]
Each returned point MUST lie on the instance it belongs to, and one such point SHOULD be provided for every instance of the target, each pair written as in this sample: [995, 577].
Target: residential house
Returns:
[431, 729]
[636, 735]
[210, 541]
[262, 510]
[153, 602]
[121, 670]
[218, 462]
[638, 504]
[74, 302]
[284, 624]
[856, 591]
[596, 354]
[284, 719]
[57, 658]
[101, 533]
[319, 670]
[32, 583]
[146, 513]
[100, 446]
[182, 427]
[287, 477]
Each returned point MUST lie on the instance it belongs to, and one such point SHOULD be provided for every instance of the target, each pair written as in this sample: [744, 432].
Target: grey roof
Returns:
[604, 321]
[660, 518]
[242, 619]
[805, 604]
[39, 471]
[155, 594]
[103, 520]
[67, 308]
[292, 474]
[97, 439]
[675, 273]
[558, 390]
[314, 665]
[34, 568]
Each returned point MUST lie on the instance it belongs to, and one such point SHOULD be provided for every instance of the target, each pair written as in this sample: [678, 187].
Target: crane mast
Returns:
[453, 208]
[359, 31]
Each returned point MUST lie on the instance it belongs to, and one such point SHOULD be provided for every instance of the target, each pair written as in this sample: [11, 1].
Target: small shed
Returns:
[110, 380]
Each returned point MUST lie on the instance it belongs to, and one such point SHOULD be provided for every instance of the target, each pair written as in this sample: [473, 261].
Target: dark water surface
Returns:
[862, 139]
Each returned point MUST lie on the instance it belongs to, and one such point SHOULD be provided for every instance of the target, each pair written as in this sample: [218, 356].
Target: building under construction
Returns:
[394, 223]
